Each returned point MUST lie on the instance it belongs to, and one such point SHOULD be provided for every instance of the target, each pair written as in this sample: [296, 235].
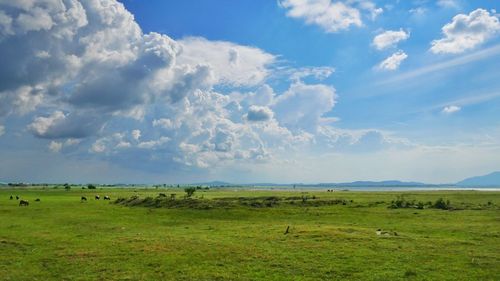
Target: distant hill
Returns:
[492, 179]
[213, 183]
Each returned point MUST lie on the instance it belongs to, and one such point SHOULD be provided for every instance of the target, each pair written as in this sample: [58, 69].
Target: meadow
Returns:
[237, 234]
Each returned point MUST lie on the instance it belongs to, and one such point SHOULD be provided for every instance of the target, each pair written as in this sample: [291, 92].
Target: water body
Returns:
[376, 188]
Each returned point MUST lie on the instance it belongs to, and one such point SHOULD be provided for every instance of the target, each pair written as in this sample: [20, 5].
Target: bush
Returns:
[67, 186]
[189, 191]
[91, 186]
[400, 202]
[441, 204]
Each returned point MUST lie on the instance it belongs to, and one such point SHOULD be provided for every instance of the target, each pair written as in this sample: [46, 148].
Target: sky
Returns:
[287, 91]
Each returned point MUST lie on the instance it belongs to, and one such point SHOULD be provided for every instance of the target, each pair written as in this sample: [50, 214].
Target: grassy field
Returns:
[60, 238]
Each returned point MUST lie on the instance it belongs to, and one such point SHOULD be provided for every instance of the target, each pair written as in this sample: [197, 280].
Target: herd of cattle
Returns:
[23, 202]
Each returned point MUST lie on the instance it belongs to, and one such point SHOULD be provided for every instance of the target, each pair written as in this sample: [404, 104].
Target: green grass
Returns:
[61, 238]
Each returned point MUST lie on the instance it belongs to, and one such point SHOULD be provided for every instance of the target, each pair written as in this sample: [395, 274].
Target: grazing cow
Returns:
[37, 200]
[107, 197]
[11, 197]
[17, 197]
[97, 197]
[24, 203]
[83, 199]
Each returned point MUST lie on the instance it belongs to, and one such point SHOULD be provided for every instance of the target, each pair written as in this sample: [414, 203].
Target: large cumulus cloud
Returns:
[89, 79]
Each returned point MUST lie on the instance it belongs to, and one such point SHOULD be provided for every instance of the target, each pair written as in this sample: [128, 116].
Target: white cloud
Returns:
[418, 12]
[319, 73]
[36, 19]
[22, 100]
[466, 32]
[259, 113]
[441, 66]
[371, 8]
[136, 134]
[393, 61]
[55, 146]
[331, 16]
[389, 38]
[2, 130]
[263, 96]
[232, 64]
[302, 106]
[448, 4]
[98, 147]
[451, 109]
[360, 141]
[42, 125]
[166, 123]
[153, 143]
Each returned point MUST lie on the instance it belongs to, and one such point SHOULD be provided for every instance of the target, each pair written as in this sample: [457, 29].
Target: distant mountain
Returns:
[492, 179]
[213, 183]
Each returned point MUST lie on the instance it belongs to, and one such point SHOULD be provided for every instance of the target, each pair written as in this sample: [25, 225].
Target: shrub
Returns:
[400, 202]
[441, 204]
[420, 205]
[91, 186]
[189, 191]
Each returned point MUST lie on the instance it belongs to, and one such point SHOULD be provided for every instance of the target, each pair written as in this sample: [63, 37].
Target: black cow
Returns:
[11, 197]
[17, 197]
[107, 197]
[37, 200]
[97, 197]
[24, 203]
[83, 199]
[162, 195]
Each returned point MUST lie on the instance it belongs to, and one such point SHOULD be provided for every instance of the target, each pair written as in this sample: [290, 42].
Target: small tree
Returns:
[189, 191]
[67, 186]
[91, 186]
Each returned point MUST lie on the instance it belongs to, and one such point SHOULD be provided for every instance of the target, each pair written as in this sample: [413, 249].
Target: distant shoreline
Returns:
[303, 188]
[372, 188]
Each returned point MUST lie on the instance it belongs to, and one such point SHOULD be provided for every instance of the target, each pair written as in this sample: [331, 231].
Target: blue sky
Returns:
[249, 91]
